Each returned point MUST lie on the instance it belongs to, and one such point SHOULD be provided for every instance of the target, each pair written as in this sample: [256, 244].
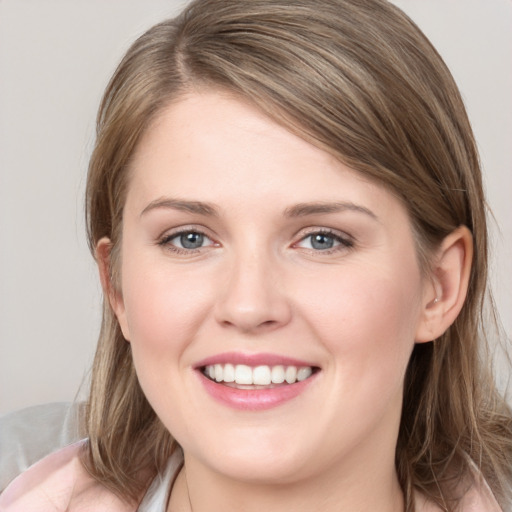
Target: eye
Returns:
[185, 241]
[324, 241]
[190, 240]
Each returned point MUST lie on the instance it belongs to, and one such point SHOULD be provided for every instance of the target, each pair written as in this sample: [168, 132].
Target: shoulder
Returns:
[59, 483]
[29, 434]
[477, 497]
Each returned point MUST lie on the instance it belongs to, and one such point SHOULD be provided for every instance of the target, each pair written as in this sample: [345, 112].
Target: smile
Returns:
[262, 375]
[255, 382]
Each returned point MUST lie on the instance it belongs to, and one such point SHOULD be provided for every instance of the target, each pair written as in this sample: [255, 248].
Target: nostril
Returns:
[250, 325]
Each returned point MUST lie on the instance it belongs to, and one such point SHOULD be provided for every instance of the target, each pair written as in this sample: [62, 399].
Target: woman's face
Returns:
[249, 255]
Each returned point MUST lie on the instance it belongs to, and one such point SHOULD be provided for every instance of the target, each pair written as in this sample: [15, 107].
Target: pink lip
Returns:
[251, 360]
[253, 399]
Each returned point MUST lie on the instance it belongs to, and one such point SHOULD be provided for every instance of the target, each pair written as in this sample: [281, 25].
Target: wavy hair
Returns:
[360, 80]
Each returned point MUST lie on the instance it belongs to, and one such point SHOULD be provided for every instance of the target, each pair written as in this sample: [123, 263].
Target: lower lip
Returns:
[254, 399]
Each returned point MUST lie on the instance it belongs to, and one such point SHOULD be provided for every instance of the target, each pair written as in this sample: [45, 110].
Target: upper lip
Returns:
[258, 359]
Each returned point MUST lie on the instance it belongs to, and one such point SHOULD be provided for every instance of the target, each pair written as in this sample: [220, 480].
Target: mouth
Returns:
[255, 382]
[242, 376]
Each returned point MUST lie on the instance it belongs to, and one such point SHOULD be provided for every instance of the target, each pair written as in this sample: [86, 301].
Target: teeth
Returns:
[229, 373]
[260, 375]
[290, 374]
[243, 374]
[304, 373]
[278, 374]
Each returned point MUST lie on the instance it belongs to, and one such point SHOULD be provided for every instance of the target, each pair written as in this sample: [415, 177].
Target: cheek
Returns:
[163, 307]
[367, 319]
[164, 311]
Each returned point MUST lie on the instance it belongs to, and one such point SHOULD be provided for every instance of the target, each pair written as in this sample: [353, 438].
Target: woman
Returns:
[286, 208]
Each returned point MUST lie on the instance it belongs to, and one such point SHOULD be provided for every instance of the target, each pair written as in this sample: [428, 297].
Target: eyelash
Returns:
[343, 242]
[165, 241]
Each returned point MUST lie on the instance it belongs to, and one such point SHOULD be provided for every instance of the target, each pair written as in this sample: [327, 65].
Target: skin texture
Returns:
[257, 285]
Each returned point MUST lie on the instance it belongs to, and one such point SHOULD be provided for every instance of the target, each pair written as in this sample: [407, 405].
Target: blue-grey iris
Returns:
[192, 240]
[321, 241]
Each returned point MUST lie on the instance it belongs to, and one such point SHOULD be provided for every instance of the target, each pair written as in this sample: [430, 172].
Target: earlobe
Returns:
[110, 288]
[446, 293]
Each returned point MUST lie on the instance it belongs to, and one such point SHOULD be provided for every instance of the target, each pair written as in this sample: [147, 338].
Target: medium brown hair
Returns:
[360, 80]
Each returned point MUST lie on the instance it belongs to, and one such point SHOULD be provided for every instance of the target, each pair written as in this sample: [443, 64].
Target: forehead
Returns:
[211, 146]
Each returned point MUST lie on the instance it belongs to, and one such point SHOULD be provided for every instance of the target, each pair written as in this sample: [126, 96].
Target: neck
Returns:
[199, 490]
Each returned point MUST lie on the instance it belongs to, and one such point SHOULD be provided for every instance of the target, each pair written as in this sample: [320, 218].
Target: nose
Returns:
[253, 298]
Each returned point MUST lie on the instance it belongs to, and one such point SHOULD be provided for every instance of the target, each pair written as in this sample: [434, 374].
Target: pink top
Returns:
[59, 483]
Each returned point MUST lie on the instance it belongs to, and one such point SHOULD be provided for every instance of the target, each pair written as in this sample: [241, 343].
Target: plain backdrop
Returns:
[56, 57]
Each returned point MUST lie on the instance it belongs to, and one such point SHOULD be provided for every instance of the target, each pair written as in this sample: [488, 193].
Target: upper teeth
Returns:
[259, 375]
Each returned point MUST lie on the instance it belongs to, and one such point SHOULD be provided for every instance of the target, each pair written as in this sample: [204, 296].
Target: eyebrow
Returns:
[198, 207]
[298, 210]
[305, 209]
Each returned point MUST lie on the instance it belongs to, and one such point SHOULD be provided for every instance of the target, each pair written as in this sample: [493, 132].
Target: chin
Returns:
[272, 460]
[274, 470]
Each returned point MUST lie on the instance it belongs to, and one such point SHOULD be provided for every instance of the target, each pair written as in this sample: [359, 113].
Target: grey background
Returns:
[56, 57]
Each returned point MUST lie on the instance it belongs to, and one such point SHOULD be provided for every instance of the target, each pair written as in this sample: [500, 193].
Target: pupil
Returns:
[191, 240]
[321, 241]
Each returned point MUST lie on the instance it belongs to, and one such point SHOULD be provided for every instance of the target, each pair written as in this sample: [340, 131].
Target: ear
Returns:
[111, 289]
[444, 296]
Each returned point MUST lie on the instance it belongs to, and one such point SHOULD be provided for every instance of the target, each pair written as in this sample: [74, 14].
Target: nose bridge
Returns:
[253, 296]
